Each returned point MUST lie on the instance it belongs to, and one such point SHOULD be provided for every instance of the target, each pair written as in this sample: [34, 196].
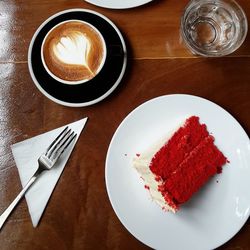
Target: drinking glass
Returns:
[213, 27]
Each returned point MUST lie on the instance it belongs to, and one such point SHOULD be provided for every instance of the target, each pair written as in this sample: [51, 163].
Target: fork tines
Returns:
[59, 145]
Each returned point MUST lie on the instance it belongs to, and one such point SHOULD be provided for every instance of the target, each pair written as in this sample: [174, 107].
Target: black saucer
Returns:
[100, 86]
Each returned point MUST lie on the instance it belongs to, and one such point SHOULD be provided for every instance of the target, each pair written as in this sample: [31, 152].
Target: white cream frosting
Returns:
[73, 49]
[142, 162]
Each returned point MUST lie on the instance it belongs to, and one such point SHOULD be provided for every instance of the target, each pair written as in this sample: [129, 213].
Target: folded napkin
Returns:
[26, 154]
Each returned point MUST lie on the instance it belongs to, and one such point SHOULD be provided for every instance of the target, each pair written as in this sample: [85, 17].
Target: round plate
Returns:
[118, 4]
[216, 213]
[95, 90]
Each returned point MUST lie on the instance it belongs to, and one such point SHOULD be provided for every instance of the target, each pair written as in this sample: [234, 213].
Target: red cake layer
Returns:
[186, 162]
[178, 147]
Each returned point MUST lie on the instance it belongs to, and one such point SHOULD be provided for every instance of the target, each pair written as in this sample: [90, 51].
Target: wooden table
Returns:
[158, 64]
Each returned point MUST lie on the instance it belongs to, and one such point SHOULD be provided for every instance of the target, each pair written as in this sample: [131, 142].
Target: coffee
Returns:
[73, 52]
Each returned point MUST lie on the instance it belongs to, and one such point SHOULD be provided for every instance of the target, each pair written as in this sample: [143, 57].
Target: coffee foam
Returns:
[73, 51]
[67, 50]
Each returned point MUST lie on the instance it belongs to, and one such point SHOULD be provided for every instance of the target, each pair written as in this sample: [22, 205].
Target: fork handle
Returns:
[13, 204]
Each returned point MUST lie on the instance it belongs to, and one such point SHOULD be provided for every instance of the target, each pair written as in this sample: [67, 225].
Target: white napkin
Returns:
[26, 154]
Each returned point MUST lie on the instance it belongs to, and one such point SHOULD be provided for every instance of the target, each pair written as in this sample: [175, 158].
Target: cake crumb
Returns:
[158, 178]
[138, 155]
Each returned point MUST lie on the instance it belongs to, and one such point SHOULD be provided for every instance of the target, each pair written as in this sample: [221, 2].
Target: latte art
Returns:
[67, 50]
[73, 51]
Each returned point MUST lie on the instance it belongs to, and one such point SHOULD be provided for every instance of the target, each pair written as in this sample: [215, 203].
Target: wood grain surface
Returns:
[158, 64]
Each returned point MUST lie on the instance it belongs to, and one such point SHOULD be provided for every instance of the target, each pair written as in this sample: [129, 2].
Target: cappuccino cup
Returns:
[73, 52]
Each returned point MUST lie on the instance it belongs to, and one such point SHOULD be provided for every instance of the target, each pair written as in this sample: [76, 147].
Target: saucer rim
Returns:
[82, 104]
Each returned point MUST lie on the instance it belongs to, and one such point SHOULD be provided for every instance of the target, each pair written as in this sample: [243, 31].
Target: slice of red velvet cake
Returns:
[177, 168]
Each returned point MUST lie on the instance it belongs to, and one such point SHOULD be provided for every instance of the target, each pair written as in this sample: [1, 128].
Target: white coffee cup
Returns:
[73, 52]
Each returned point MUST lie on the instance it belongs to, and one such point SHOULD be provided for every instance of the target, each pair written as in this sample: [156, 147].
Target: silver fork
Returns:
[45, 162]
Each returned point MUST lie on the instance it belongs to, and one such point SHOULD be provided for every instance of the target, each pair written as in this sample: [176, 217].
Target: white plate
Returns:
[118, 4]
[216, 213]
